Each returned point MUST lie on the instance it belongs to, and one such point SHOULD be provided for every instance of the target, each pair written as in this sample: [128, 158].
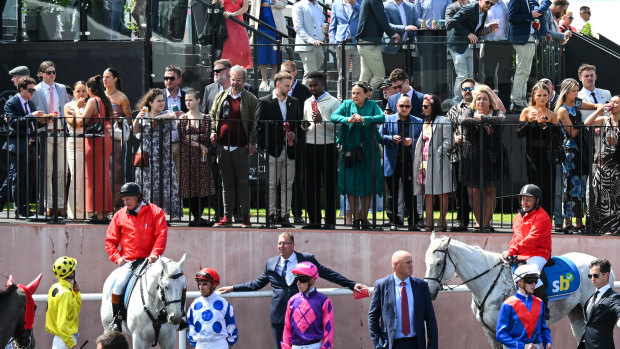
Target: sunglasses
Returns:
[302, 278]
[488, 3]
[425, 106]
[588, 13]
[397, 87]
[571, 18]
[171, 78]
[51, 72]
[217, 71]
[595, 275]
[404, 106]
[465, 89]
[31, 90]
[530, 280]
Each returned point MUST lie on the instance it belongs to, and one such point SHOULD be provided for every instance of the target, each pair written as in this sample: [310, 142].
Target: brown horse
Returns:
[15, 319]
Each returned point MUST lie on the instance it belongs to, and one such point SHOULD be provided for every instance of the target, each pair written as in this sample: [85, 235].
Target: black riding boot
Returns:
[541, 292]
[117, 311]
[183, 324]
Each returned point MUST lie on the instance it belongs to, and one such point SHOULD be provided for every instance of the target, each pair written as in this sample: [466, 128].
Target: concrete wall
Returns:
[239, 255]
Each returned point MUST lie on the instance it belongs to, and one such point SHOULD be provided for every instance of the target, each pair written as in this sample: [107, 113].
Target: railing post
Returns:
[345, 70]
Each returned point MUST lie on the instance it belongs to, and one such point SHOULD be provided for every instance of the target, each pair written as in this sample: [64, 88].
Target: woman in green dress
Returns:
[360, 175]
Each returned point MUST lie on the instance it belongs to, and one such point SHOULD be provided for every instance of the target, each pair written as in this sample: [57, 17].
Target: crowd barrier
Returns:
[74, 175]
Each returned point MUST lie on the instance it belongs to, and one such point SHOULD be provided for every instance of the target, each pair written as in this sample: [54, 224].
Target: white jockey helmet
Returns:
[525, 270]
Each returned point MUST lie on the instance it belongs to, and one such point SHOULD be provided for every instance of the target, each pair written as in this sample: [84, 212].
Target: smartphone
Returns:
[315, 106]
[578, 103]
[175, 108]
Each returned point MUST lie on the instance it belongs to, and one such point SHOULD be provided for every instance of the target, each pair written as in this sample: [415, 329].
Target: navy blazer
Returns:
[269, 125]
[520, 18]
[464, 22]
[416, 102]
[396, 23]
[382, 314]
[19, 122]
[599, 331]
[341, 25]
[373, 22]
[390, 149]
[281, 290]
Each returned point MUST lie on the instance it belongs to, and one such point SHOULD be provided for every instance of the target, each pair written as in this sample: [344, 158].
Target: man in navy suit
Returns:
[342, 29]
[20, 111]
[272, 112]
[400, 82]
[399, 135]
[403, 19]
[602, 309]
[278, 273]
[401, 314]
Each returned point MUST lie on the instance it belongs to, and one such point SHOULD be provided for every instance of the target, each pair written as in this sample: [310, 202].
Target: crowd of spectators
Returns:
[193, 151]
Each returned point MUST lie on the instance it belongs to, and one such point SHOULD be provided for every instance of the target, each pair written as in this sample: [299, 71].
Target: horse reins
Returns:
[161, 313]
[445, 286]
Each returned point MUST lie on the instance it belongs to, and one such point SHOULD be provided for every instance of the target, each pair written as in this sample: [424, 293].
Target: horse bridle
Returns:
[25, 340]
[445, 286]
[162, 314]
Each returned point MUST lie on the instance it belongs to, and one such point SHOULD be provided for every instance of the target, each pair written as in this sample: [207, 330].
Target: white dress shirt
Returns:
[292, 263]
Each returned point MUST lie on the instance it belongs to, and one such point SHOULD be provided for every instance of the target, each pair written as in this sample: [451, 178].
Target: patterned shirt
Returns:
[211, 320]
[309, 319]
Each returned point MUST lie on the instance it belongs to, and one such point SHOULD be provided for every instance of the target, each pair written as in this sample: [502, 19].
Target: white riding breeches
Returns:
[539, 262]
[123, 274]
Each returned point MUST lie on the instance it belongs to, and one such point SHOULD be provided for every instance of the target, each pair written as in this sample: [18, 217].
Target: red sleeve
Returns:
[286, 334]
[113, 239]
[161, 232]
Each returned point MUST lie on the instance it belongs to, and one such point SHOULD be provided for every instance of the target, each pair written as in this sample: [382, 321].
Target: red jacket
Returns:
[531, 235]
[139, 237]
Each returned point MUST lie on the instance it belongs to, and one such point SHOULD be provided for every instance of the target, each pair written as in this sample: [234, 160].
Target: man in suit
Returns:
[555, 12]
[342, 29]
[278, 274]
[400, 82]
[21, 113]
[51, 97]
[465, 27]
[311, 28]
[453, 8]
[278, 141]
[403, 19]
[430, 10]
[399, 135]
[602, 309]
[401, 314]
[175, 102]
[302, 93]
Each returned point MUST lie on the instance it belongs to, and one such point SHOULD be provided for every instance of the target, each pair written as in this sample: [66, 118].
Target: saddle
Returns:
[560, 277]
[138, 267]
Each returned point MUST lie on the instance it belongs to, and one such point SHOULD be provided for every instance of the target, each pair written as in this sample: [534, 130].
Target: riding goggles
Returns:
[530, 280]
[302, 278]
[201, 275]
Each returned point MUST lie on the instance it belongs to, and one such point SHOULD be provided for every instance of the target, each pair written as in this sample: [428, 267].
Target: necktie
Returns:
[51, 99]
[591, 305]
[404, 309]
[26, 108]
[284, 269]
[594, 97]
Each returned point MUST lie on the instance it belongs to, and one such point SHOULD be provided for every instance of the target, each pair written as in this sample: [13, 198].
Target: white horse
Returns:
[160, 290]
[489, 278]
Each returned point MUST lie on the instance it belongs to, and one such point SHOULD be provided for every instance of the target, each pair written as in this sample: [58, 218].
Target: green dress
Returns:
[366, 177]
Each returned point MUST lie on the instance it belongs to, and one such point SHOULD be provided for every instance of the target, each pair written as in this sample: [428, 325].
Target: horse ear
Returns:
[182, 261]
[449, 239]
[10, 282]
[32, 287]
[433, 236]
[164, 267]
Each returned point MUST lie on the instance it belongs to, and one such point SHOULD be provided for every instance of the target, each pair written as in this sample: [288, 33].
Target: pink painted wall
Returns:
[239, 255]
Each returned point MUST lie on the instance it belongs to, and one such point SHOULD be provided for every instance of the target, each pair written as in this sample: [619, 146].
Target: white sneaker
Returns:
[264, 86]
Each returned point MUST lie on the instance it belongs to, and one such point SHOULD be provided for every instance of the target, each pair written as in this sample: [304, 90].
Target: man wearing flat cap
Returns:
[18, 73]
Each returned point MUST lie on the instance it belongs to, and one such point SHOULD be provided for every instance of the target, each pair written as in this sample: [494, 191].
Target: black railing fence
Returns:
[181, 164]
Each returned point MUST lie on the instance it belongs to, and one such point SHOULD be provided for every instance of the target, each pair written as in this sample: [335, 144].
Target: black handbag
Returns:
[97, 127]
[355, 155]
